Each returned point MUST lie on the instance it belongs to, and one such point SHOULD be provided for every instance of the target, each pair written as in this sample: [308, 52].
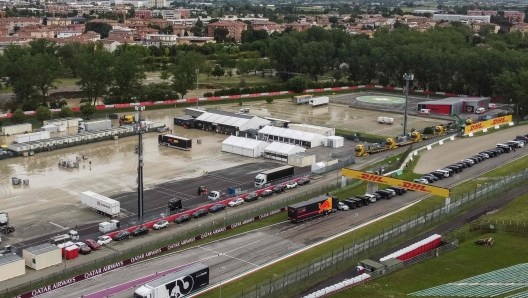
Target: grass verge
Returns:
[509, 168]
[468, 260]
[515, 212]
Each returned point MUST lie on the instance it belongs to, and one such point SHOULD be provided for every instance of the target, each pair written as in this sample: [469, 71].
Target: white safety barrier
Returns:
[340, 286]
[415, 249]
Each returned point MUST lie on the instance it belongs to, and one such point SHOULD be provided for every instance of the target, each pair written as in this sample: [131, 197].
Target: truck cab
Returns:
[260, 180]
[213, 196]
[72, 235]
[143, 292]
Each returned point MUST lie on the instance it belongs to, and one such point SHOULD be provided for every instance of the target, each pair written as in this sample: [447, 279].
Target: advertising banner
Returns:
[487, 124]
[439, 191]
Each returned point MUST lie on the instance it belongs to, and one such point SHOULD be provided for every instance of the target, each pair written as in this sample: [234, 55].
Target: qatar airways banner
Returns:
[120, 264]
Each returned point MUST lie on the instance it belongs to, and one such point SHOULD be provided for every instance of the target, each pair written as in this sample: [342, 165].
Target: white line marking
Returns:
[57, 225]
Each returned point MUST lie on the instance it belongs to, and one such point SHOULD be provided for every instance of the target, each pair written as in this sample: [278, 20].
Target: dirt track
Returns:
[451, 152]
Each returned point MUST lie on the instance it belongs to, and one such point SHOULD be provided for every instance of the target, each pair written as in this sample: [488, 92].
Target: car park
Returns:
[371, 197]
[160, 225]
[140, 231]
[353, 203]
[461, 164]
[521, 138]
[399, 190]
[123, 235]
[455, 169]
[366, 200]
[486, 154]
[279, 188]
[83, 248]
[468, 162]
[251, 197]
[216, 208]
[450, 171]
[303, 181]
[422, 181]
[391, 191]
[515, 144]
[92, 244]
[445, 173]
[291, 185]
[437, 174]
[505, 147]
[236, 202]
[200, 213]
[342, 206]
[499, 150]
[102, 240]
[428, 178]
[183, 218]
[384, 194]
[266, 193]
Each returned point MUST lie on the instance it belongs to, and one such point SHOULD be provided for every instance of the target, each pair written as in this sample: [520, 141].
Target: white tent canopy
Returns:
[290, 136]
[227, 119]
[243, 146]
[281, 151]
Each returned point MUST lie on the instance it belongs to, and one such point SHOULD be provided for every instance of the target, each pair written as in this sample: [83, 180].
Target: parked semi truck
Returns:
[176, 284]
[319, 101]
[4, 219]
[175, 142]
[101, 204]
[268, 176]
[318, 206]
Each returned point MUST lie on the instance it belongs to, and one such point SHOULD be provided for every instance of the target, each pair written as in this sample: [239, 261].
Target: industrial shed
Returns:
[290, 136]
[195, 113]
[455, 105]
[42, 256]
[301, 160]
[281, 151]
[325, 131]
[227, 122]
[244, 146]
[11, 266]
[187, 121]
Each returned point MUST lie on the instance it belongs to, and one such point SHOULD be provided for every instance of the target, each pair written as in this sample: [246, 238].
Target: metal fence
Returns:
[480, 227]
[342, 163]
[181, 235]
[292, 281]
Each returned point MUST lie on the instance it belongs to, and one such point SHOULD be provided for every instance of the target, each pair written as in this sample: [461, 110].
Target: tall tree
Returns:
[68, 55]
[94, 70]
[128, 74]
[184, 72]
[46, 70]
[99, 27]
[220, 34]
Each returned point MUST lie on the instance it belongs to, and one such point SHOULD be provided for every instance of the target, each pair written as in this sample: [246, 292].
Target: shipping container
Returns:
[51, 128]
[175, 142]
[301, 99]
[22, 138]
[16, 129]
[98, 125]
[312, 208]
[100, 204]
[176, 284]
[319, 101]
[187, 121]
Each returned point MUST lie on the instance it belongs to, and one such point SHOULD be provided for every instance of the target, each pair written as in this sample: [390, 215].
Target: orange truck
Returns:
[318, 206]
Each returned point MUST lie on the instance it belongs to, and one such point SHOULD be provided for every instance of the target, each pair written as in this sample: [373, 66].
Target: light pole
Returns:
[197, 71]
[221, 269]
[407, 77]
[139, 152]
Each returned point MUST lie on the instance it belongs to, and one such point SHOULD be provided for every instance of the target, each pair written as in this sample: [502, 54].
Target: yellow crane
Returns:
[439, 130]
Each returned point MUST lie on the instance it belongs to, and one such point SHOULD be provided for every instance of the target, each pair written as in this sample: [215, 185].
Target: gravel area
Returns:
[463, 148]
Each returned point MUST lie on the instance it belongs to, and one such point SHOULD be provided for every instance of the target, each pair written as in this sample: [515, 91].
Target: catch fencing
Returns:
[292, 281]
[342, 163]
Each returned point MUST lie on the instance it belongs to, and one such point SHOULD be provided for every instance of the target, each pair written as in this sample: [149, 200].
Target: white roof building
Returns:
[244, 146]
[290, 136]
[325, 131]
[228, 123]
[281, 151]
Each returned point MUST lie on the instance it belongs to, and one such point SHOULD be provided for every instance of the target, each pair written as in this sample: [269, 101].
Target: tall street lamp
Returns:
[407, 77]
[139, 152]
[197, 71]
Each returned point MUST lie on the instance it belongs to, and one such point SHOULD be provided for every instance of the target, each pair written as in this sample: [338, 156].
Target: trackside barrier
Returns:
[212, 98]
[340, 286]
[143, 256]
[415, 249]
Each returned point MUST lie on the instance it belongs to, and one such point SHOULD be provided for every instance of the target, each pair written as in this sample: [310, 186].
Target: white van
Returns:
[480, 111]
[425, 112]
[446, 173]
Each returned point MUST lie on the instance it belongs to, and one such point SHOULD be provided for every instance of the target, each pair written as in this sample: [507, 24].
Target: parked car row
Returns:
[366, 199]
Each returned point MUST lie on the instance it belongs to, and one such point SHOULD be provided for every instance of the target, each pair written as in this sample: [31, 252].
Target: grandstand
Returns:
[491, 284]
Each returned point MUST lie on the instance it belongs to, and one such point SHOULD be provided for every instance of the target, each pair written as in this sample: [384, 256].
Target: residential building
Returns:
[4, 31]
[144, 14]
[156, 3]
[159, 22]
[68, 34]
[477, 26]
[58, 21]
[166, 14]
[482, 13]
[122, 35]
[235, 29]
[142, 32]
[474, 13]
[11, 23]
[180, 30]
[77, 20]
[457, 17]
[200, 41]
[301, 27]
[76, 27]
[12, 40]
[514, 16]
[270, 27]
[184, 13]
[35, 32]
[160, 39]
[137, 21]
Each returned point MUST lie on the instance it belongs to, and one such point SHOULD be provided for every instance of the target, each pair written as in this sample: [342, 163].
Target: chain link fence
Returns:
[341, 163]
[291, 282]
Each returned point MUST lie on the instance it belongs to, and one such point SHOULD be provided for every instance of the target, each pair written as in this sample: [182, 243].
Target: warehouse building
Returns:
[195, 113]
[11, 266]
[244, 146]
[455, 105]
[325, 131]
[42, 256]
[281, 151]
[228, 123]
[290, 136]
[185, 121]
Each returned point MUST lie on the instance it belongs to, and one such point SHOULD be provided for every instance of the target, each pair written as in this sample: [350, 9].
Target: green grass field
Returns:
[515, 212]
[468, 260]
[509, 168]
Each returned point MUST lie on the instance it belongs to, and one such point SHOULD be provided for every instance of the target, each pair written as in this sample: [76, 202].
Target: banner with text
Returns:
[487, 124]
[439, 191]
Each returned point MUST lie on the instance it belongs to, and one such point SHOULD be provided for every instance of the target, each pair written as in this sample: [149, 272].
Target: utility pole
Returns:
[197, 71]
[139, 152]
[407, 77]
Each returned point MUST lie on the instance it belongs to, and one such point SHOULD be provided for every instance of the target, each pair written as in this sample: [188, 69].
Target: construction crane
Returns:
[462, 123]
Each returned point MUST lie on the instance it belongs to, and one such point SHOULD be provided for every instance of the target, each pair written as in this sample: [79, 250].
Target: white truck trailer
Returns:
[101, 204]
[319, 101]
[177, 284]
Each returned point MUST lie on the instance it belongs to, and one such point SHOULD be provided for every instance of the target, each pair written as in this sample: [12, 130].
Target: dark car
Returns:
[200, 213]
[428, 178]
[451, 172]
[399, 190]
[514, 144]
[83, 248]
[266, 193]
[140, 231]
[303, 181]
[123, 235]
[183, 218]
[460, 164]
[432, 176]
[7, 229]
[521, 138]
[384, 194]
[454, 168]
[353, 203]
[92, 244]
[279, 188]
[438, 175]
[216, 208]
[251, 197]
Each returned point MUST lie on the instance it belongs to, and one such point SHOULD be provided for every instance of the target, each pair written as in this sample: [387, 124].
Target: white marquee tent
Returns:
[244, 146]
[290, 136]
[281, 151]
